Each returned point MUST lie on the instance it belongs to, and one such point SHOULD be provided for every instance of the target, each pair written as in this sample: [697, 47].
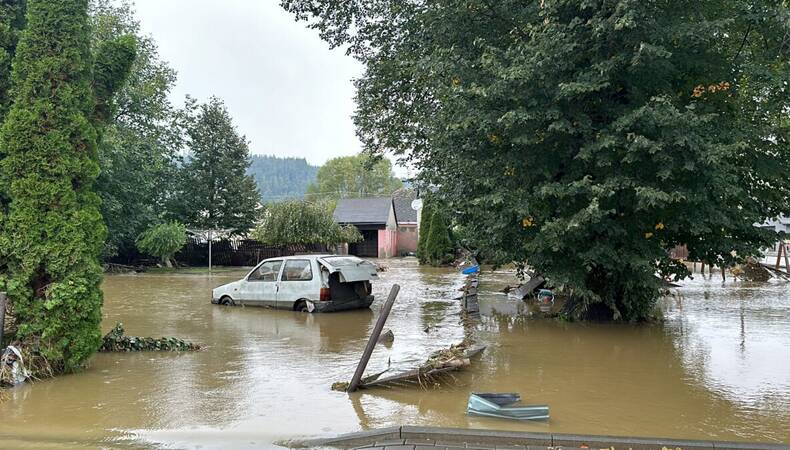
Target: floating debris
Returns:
[12, 367]
[471, 270]
[754, 271]
[387, 337]
[532, 285]
[115, 341]
[435, 370]
[21, 362]
[498, 405]
[777, 272]
[343, 385]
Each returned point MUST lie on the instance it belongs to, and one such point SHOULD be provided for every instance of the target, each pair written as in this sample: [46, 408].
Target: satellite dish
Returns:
[416, 204]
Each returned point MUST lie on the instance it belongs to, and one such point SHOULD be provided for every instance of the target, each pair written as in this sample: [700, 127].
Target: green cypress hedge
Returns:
[52, 231]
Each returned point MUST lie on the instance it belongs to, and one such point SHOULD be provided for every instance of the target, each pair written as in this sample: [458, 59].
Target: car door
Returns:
[261, 286]
[297, 282]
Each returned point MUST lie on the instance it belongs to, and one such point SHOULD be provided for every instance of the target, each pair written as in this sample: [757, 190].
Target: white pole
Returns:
[209, 251]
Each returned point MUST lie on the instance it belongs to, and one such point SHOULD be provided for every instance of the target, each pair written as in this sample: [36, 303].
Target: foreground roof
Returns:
[402, 199]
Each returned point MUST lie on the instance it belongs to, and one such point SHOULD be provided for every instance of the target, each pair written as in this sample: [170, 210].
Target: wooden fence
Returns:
[244, 252]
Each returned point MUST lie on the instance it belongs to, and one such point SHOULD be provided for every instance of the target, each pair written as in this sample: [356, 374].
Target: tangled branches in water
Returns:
[115, 341]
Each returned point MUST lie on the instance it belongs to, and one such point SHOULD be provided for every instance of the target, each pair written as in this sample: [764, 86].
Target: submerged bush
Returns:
[116, 341]
[163, 241]
[301, 222]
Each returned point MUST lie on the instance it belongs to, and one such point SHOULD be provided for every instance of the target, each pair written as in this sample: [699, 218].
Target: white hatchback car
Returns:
[308, 283]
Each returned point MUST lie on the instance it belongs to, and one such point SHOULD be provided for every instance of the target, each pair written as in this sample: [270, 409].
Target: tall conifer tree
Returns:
[52, 230]
[215, 192]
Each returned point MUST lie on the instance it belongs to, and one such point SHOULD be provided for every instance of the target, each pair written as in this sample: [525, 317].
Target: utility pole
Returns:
[210, 240]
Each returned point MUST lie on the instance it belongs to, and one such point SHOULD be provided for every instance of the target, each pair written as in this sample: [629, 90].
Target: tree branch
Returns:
[743, 43]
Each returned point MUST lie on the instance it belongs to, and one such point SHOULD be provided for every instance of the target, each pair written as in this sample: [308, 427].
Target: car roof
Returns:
[309, 256]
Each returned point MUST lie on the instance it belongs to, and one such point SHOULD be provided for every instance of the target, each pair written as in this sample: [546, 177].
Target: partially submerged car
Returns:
[307, 283]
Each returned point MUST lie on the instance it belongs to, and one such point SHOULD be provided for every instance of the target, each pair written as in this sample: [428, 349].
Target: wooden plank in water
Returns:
[529, 287]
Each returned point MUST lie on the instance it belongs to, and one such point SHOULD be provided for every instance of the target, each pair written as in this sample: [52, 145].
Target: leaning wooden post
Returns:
[3, 299]
[778, 253]
[374, 338]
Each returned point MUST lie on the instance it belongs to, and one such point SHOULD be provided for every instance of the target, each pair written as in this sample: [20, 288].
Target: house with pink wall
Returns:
[408, 221]
[376, 220]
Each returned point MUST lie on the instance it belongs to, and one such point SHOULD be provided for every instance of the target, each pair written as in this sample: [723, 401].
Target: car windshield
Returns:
[339, 261]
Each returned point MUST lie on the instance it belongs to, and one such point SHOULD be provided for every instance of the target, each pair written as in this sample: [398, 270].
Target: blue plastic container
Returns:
[471, 270]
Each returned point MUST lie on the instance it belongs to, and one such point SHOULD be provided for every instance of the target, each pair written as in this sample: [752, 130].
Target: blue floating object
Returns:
[471, 270]
[497, 405]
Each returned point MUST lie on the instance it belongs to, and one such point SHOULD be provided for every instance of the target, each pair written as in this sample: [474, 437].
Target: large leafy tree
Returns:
[215, 192]
[352, 177]
[583, 138]
[138, 152]
[52, 231]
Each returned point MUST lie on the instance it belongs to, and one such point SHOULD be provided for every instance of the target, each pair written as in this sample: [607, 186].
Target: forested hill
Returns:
[281, 178]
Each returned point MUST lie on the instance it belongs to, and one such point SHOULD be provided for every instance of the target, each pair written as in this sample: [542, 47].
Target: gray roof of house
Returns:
[363, 210]
[777, 223]
[402, 199]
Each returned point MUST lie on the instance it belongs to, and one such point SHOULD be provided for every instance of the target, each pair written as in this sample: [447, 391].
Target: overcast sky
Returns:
[287, 92]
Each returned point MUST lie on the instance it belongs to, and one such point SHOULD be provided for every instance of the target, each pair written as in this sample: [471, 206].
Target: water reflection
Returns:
[738, 346]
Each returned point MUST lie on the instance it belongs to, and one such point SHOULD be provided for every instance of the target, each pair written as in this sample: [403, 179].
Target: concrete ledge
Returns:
[634, 443]
[473, 436]
[356, 439]
[413, 437]
[719, 445]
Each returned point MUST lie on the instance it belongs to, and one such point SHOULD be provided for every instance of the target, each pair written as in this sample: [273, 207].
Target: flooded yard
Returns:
[718, 368]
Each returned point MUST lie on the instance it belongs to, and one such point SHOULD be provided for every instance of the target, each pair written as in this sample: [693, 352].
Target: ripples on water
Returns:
[718, 368]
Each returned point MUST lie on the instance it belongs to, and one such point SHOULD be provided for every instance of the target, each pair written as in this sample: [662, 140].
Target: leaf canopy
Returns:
[585, 139]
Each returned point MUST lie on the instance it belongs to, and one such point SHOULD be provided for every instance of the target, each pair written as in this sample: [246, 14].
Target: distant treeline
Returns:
[281, 178]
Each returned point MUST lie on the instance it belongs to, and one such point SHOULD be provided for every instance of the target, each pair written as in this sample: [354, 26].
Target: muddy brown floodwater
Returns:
[719, 367]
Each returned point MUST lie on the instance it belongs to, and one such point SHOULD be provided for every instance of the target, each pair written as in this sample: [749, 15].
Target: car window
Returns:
[266, 272]
[297, 270]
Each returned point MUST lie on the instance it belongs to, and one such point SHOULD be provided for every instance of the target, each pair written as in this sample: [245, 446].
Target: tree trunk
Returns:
[167, 262]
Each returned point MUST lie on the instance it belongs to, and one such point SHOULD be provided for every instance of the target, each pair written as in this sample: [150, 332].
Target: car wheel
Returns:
[302, 307]
[227, 301]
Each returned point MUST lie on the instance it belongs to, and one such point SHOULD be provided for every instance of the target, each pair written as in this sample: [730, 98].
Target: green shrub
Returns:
[163, 241]
[439, 248]
[425, 230]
